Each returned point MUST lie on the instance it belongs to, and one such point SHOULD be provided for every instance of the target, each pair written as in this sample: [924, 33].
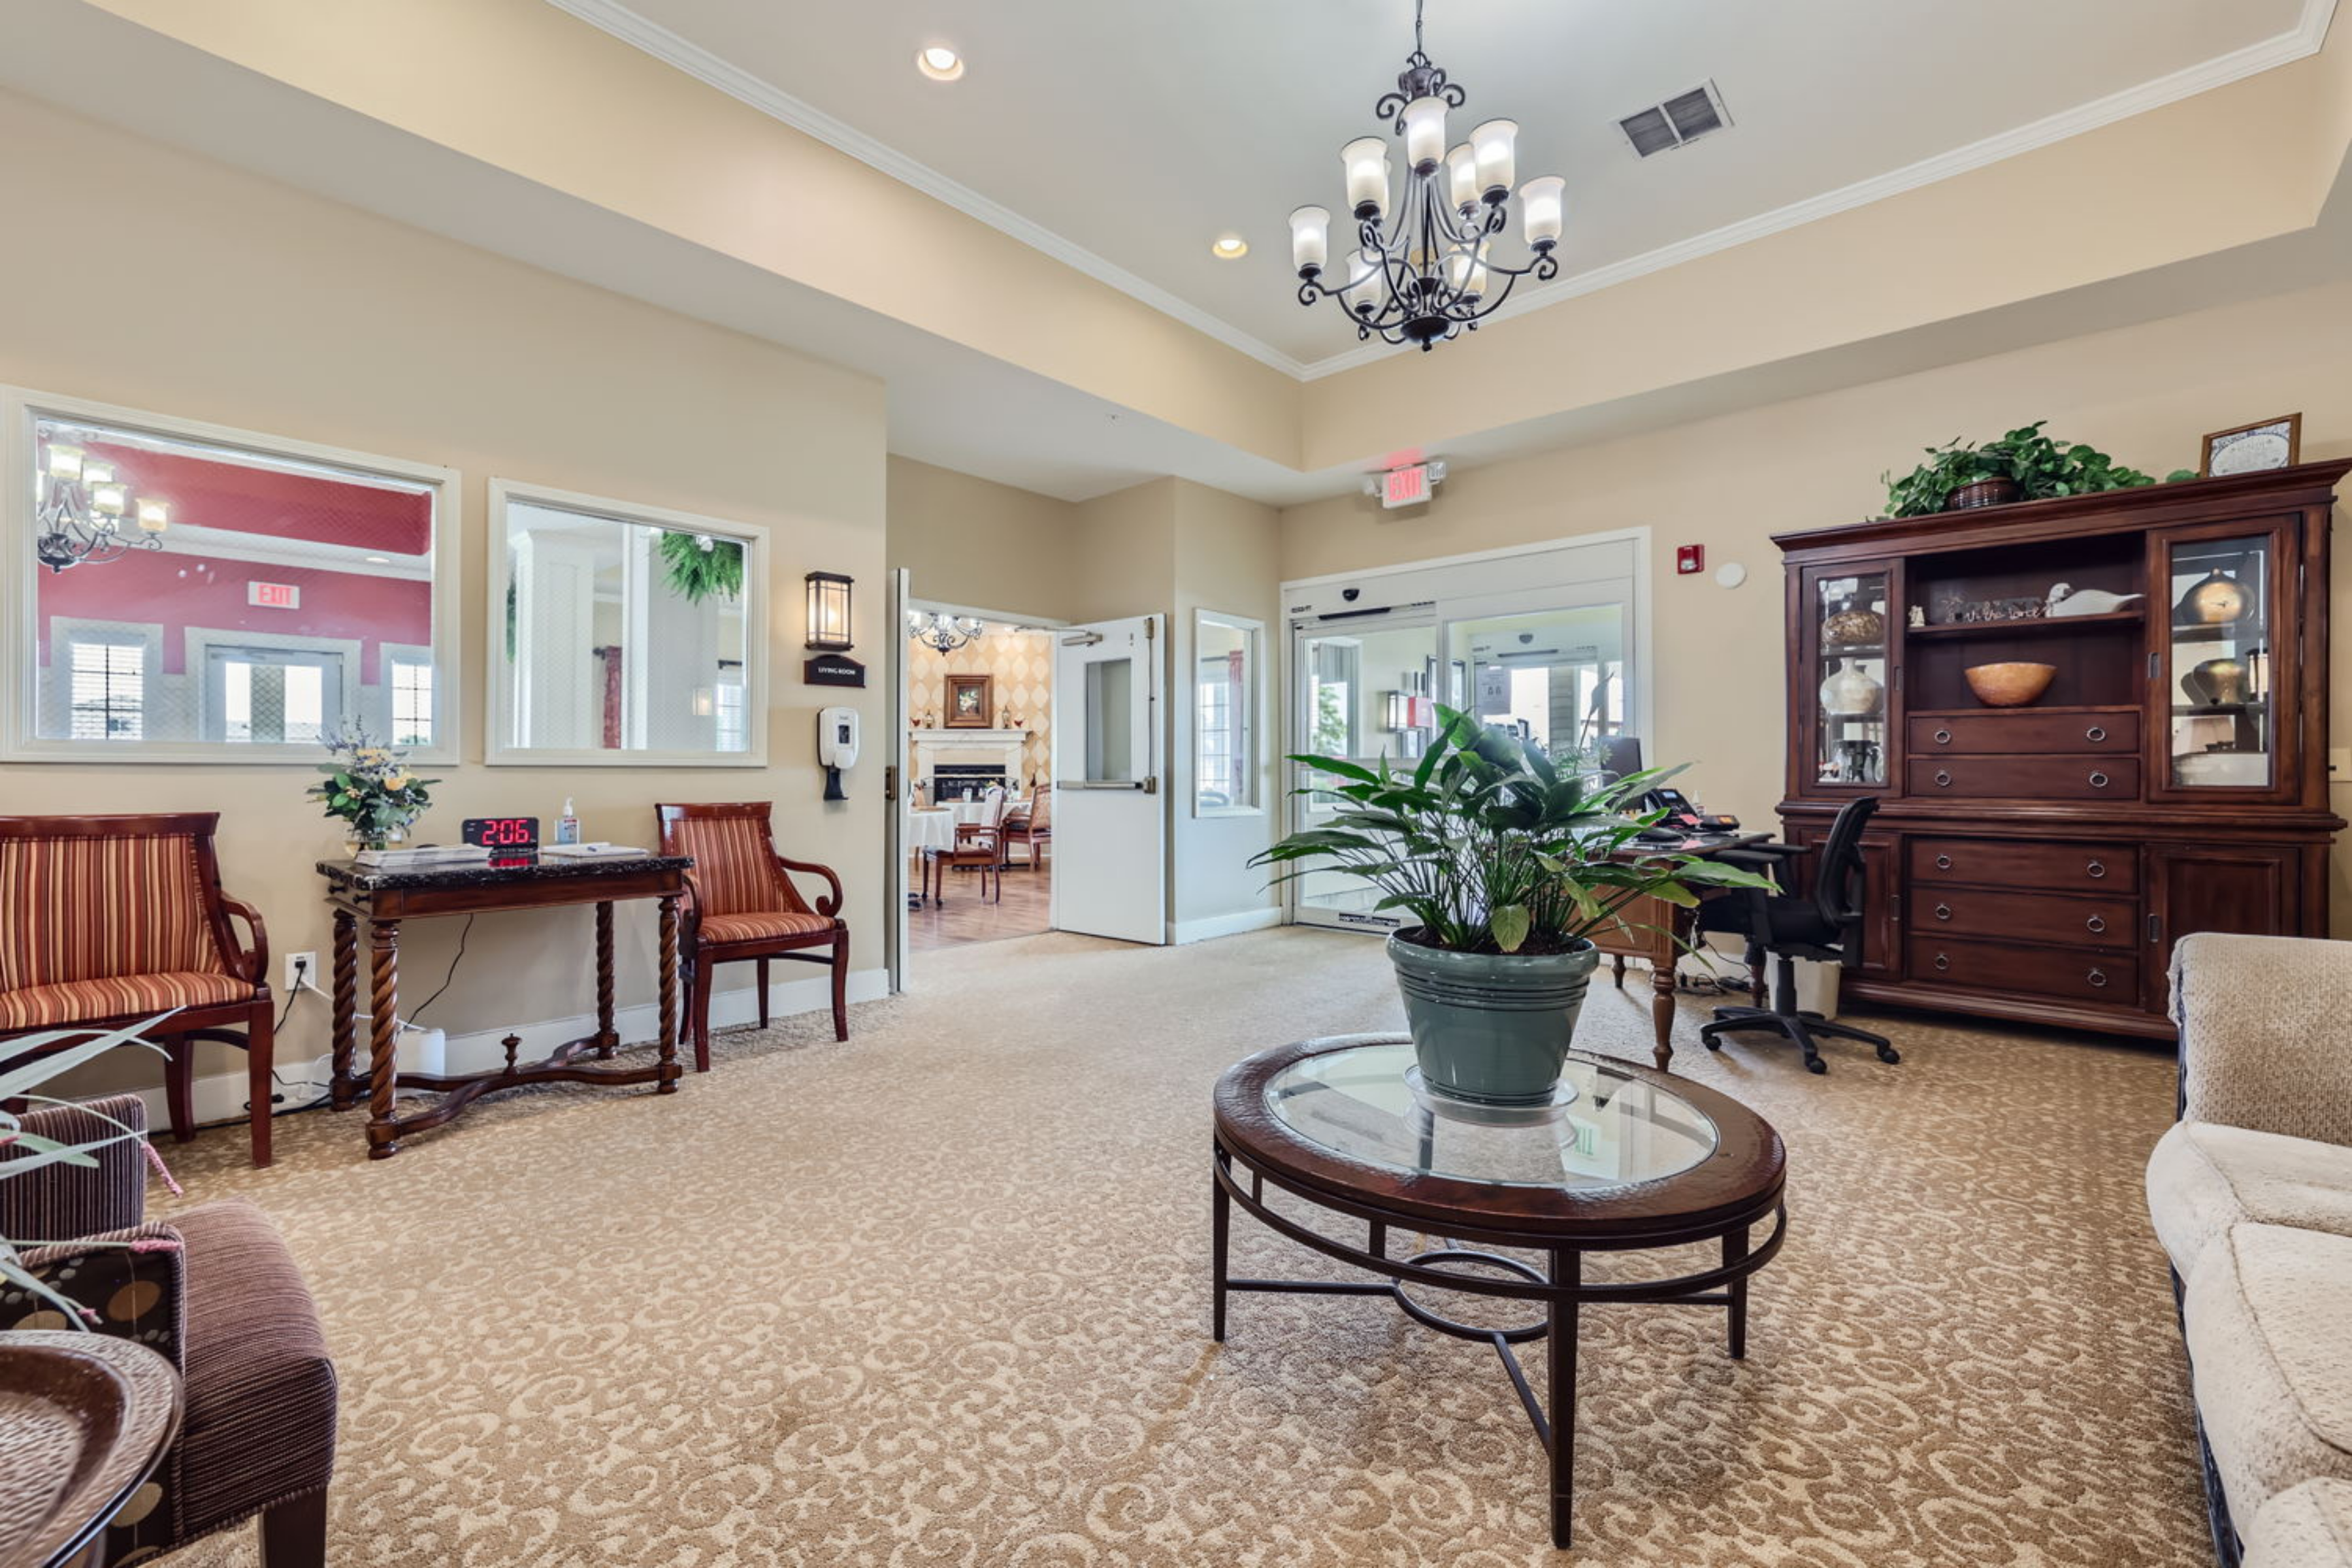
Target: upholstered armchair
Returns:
[741, 906]
[214, 1291]
[106, 920]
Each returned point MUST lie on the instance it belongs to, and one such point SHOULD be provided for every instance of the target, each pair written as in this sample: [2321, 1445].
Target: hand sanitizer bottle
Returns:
[567, 827]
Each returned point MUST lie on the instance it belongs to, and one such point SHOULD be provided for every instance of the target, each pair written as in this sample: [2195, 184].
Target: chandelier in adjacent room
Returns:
[1430, 272]
[80, 518]
[938, 630]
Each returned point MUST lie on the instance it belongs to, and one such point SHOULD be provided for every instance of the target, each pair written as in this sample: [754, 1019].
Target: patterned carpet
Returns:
[939, 1297]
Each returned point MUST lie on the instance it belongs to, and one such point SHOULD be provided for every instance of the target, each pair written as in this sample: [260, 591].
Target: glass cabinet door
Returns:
[2219, 664]
[1850, 618]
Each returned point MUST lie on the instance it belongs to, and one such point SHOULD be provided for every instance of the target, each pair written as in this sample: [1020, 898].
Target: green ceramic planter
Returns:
[1492, 1026]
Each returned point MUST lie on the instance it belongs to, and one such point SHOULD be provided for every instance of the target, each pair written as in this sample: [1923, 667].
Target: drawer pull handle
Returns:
[2095, 924]
[2095, 734]
[1943, 780]
[1943, 862]
[2098, 977]
[2096, 868]
[1943, 737]
[2099, 780]
[1942, 962]
[1943, 911]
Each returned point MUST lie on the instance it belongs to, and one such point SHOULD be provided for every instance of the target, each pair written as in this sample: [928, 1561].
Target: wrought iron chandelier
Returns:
[78, 521]
[938, 630]
[1431, 273]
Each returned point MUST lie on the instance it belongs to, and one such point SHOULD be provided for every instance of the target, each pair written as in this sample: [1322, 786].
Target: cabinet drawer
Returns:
[2108, 923]
[2026, 778]
[2026, 733]
[2061, 865]
[2037, 971]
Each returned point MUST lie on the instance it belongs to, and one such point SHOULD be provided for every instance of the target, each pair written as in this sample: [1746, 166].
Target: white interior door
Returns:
[1110, 806]
[899, 792]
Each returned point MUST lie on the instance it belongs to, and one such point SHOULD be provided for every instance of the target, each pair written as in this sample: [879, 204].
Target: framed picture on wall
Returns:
[2251, 448]
[970, 701]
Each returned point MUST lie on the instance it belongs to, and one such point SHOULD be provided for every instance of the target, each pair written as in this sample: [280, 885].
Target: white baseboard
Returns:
[221, 1097]
[1223, 925]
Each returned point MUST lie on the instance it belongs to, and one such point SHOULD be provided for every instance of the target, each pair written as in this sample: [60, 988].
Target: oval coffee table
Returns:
[1625, 1159]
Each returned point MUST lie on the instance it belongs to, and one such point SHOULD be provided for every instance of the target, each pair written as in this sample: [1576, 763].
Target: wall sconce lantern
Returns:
[828, 612]
[828, 633]
[1397, 712]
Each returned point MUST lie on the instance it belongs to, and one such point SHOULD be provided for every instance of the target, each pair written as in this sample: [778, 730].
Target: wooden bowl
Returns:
[2010, 685]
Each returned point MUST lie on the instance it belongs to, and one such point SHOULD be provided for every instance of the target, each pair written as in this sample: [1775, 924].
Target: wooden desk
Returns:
[386, 897]
[1658, 933]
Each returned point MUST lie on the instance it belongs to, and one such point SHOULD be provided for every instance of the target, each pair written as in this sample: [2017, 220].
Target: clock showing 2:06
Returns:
[502, 832]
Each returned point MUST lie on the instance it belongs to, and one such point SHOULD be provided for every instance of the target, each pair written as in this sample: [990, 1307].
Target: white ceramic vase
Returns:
[1851, 693]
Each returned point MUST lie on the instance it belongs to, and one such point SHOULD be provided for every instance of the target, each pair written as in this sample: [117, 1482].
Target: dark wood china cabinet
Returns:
[2038, 861]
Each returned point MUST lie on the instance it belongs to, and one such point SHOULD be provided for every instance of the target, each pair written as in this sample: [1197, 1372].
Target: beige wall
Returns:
[2145, 394]
[970, 542]
[221, 297]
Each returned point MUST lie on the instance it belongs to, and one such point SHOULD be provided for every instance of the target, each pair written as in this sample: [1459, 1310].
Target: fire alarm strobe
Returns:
[1406, 487]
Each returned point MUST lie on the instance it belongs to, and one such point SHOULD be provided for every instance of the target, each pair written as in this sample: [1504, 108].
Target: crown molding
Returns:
[2309, 34]
[2304, 40]
[652, 39]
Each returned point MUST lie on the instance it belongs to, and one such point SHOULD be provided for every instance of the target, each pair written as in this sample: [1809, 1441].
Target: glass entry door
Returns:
[1555, 675]
[1364, 687]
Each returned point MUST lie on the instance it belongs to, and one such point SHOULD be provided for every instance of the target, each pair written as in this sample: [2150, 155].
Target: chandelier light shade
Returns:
[941, 632]
[1422, 268]
[78, 519]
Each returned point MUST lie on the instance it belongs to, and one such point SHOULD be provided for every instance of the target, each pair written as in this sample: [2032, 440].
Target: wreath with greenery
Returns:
[696, 566]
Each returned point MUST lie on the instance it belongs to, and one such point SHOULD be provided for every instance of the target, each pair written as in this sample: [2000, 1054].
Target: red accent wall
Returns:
[214, 494]
[179, 591]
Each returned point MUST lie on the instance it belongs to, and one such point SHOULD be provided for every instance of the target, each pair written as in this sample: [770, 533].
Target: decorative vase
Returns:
[1984, 492]
[2217, 600]
[354, 840]
[2216, 683]
[1491, 1026]
[2011, 685]
[1852, 693]
[1851, 627]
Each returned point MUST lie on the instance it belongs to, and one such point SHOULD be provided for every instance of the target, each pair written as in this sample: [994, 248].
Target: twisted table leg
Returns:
[383, 952]
[606, 1037]
[344, 1032]
[668, 981]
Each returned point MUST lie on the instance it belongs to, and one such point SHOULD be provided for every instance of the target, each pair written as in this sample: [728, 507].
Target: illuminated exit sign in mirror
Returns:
[273, 596]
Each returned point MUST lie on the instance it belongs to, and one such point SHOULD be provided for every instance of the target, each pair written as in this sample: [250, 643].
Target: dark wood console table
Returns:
[384, 897]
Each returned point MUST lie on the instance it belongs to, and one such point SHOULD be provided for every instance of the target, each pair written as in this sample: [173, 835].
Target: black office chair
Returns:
[1788, 928]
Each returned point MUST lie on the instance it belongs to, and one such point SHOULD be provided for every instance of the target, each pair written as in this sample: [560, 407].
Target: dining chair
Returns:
[1031, 825]
[978, 845]
[106, 920]
[741, 906]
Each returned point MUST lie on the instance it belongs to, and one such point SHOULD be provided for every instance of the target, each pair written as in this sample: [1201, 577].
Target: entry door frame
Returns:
[1454, 587]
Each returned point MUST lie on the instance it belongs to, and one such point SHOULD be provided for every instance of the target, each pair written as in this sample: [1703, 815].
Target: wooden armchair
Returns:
[978, 845]
[106, 920]
[214, 1291]
[741, 905]
[1032, 824]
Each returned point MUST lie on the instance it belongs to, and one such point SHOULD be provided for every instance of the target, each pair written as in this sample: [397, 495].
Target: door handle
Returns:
[1147, 786]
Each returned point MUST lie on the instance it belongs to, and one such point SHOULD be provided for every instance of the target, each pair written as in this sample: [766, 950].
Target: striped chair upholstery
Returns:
[742, 907]
[102, 928]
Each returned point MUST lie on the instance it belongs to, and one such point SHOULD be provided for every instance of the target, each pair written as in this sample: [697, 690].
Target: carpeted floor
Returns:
[939, 1297]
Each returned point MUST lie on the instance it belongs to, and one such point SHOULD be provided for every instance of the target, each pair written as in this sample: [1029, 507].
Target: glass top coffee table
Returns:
[1624, 1159]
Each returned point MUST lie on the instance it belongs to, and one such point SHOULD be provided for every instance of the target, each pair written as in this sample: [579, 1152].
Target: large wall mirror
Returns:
[1225, 761]
[188, 593]
[624, 634]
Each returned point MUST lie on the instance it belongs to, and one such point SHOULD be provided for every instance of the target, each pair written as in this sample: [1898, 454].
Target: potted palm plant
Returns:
[1507, 861]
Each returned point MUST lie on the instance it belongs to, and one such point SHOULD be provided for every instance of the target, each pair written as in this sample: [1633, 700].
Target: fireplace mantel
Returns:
[926, 749]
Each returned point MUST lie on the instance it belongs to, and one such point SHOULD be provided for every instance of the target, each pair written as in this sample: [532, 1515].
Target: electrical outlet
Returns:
[302, 968]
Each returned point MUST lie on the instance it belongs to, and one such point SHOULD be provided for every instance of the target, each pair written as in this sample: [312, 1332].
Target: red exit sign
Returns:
[273, 596]
[1406, 487]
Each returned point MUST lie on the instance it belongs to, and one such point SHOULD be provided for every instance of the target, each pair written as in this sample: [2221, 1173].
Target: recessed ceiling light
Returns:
[1229, 248]
[940, 63]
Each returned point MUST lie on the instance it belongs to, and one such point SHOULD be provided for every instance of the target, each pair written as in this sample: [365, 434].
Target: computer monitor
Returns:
[1621, 755]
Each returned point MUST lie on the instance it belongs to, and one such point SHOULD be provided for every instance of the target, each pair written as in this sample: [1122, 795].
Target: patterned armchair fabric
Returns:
[735, 869]
[742, 907]
[103, 927]
[219, 1295]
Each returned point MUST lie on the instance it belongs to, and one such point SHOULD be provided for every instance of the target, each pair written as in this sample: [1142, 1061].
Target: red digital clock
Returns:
[504, 833]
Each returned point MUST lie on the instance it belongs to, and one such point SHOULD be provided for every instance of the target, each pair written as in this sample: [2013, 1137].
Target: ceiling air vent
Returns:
[1684, 117]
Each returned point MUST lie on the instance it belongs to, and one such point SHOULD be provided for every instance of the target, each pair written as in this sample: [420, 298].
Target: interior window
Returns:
[109, 694]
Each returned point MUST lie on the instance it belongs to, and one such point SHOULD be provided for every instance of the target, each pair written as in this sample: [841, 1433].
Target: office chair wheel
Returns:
[1889, 1054]
[1710, 1042]
[1815, 1065]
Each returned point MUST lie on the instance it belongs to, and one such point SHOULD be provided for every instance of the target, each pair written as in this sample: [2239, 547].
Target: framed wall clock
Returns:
[2252, 448]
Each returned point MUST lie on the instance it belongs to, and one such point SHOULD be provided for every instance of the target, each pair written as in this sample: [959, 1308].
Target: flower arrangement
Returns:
[370, 787]
[33, 1153]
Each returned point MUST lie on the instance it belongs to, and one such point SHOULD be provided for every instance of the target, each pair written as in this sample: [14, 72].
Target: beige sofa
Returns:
[2252, 1197]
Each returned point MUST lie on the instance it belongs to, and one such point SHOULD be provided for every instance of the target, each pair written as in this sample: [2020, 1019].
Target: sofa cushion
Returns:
[2265, 1313]
[2308, 1527]
[260, 1425]
[2204, 1178]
